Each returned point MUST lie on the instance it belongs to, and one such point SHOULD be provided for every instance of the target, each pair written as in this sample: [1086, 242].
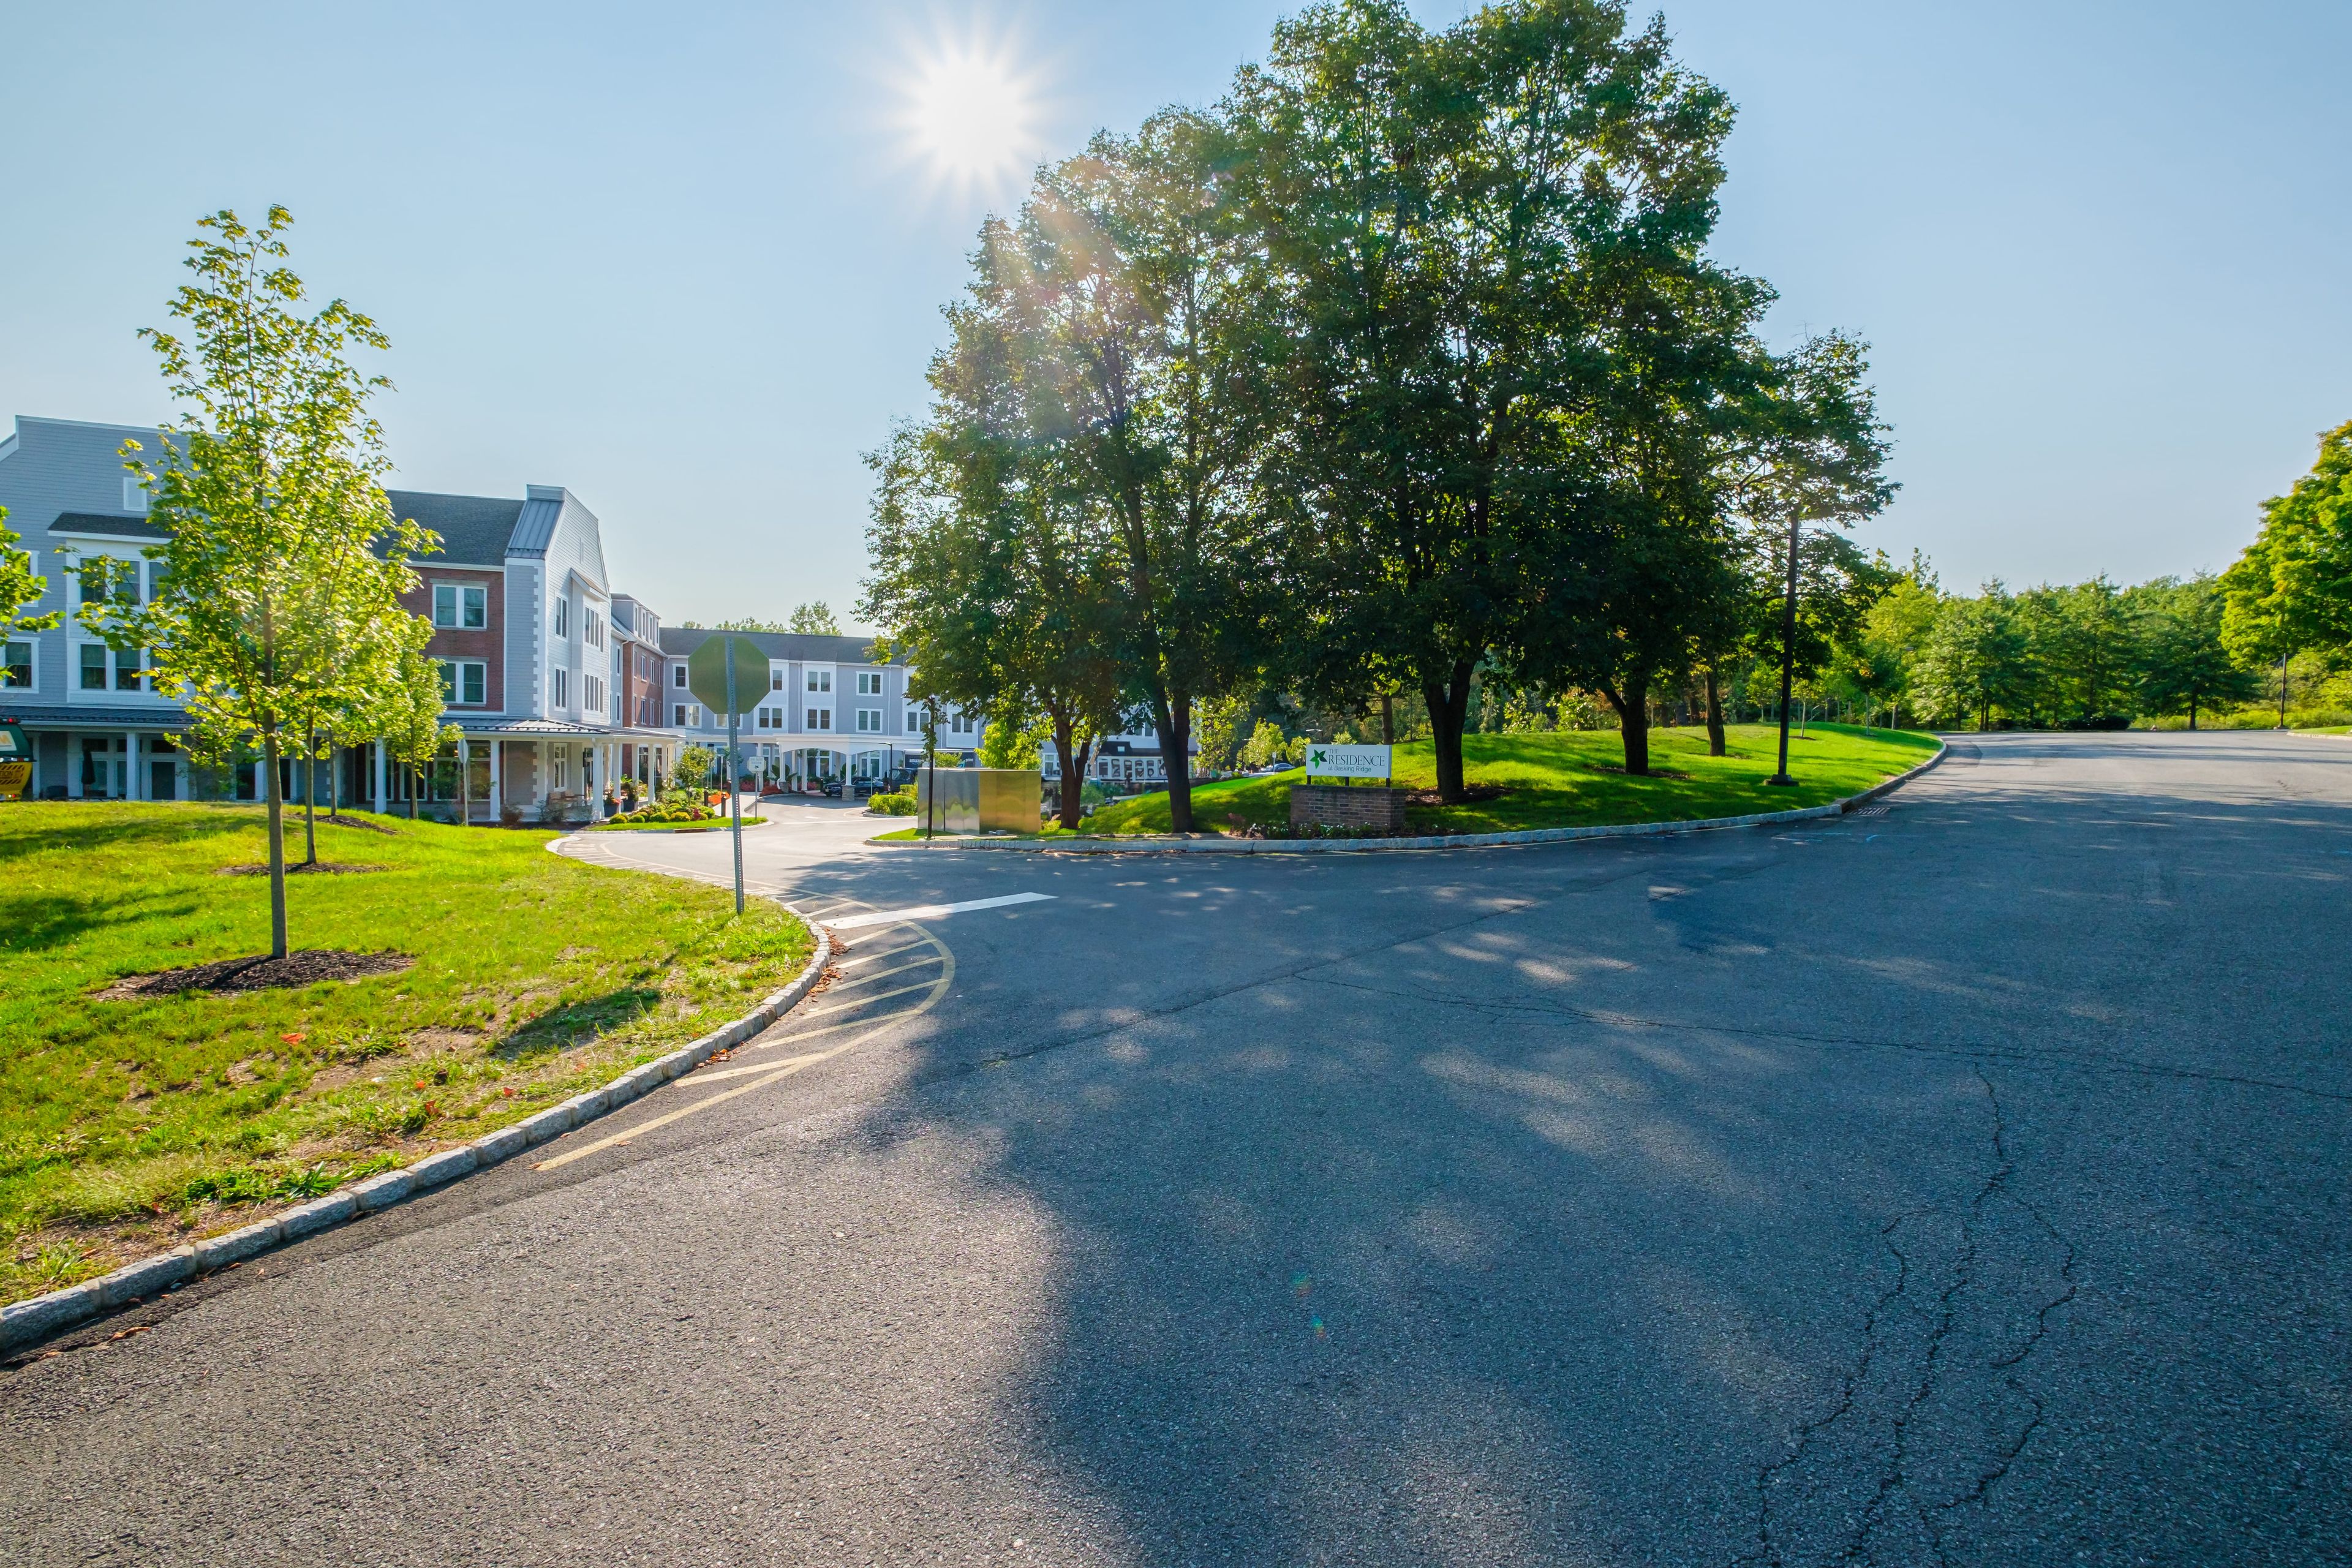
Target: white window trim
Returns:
[31, 642]
[457, 667]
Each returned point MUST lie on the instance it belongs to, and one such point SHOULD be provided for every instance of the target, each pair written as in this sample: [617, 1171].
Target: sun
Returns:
[971, 114]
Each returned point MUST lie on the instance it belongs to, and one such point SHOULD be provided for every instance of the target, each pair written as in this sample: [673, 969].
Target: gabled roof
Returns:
[679, 642]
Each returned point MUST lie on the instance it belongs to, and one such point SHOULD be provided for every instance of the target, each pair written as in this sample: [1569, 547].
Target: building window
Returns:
[776, 679]
[134, 494]
[465, 682]
[103, 577]
[959, 723]
[869, 720]
[915, 717]
[869, 683]
[562, 689]
[591, 627]
[127, 663]
[461, 607]
[819, 680]
[559, 767]
[820, 718]
[681, 716]
[593, 693]
[93, 667]
[16, 668]
[563, 617]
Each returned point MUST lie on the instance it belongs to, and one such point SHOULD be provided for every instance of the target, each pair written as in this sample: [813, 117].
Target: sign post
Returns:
[727, 675]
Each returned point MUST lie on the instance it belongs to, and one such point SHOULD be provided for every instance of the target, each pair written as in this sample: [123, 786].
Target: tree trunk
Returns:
[2192, 713]
[1632, 705]
[1387, 718]
[276, 799]
[1171, 720]
[310, 797]
[1073, 758]
[416, 788]
[1715, 745]
[1449, 707]
[2281, 723]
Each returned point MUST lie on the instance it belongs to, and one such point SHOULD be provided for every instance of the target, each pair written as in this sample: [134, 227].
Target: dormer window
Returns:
[134, 494]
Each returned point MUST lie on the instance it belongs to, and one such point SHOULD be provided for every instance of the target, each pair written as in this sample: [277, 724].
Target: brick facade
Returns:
[1342, 806]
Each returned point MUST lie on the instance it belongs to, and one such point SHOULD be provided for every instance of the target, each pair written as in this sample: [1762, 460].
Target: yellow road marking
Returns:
[773, 1072]
[880, 975]
[877, 957]
[879, 996]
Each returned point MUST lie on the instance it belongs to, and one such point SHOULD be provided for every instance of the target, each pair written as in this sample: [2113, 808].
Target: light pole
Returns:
[930, 765]
[1788, 652]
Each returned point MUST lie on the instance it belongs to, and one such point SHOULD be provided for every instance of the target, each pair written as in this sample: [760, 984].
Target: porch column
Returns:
[497, 796]
[591, 768]
[130, 790]
[376, 751]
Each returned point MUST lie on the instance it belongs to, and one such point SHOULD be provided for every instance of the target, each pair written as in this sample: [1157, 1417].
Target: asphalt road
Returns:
[1961, 1184]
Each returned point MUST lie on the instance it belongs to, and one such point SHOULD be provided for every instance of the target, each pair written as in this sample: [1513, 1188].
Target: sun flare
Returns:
[972, 114]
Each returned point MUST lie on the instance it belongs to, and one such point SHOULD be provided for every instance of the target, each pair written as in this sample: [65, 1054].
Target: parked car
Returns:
[832, 788]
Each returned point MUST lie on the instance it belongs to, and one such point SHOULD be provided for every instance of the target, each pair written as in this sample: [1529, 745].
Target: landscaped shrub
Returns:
[892, 803]
[673, 811]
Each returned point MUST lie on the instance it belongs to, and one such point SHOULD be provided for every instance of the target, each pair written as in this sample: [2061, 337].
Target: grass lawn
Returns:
[1572, 779]
[130, 1126]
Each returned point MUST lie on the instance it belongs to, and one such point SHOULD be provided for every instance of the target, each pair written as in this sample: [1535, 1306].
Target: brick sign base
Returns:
[1339, 806]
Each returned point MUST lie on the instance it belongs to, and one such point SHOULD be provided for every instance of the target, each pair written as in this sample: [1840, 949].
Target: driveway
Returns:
[1962, 1183]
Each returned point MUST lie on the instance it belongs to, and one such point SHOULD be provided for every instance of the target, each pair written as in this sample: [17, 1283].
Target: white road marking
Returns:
[933, 911]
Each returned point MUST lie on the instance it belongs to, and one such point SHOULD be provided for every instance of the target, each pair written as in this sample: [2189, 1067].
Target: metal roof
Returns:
[813, 647]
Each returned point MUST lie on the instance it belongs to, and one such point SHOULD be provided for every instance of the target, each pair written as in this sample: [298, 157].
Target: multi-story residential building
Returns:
[550, 676]
[1127, 760]
[832, 711]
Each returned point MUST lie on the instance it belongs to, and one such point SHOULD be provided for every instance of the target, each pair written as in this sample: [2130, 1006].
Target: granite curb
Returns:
[37, 1317]
[1440, 841]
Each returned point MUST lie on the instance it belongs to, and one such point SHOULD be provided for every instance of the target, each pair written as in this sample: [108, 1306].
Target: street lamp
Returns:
[1788, 652]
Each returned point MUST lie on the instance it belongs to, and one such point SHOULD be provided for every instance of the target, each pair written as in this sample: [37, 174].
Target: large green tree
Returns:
[1142, 280]
[2185, 666]
[993, 568]
[2291, 589]
[1975, 661]
[282, 565]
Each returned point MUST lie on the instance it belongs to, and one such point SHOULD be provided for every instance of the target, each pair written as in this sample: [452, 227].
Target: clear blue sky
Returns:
[680, 259]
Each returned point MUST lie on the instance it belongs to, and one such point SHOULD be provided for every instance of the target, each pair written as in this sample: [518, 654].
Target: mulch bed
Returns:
[316, 868]
[305, 966]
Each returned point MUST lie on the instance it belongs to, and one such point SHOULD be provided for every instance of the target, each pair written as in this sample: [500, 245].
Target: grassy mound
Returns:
[1576, 779]
[131, 1121]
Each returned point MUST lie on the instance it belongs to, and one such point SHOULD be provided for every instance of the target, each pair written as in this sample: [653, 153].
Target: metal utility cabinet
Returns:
[979, 799]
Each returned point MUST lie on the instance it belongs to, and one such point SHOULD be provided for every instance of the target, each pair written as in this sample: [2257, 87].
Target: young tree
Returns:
[404, 715]
[268, 492]
[20, 586]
